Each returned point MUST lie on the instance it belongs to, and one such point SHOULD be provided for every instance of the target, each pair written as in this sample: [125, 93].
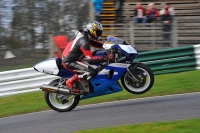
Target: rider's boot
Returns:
[70, 81]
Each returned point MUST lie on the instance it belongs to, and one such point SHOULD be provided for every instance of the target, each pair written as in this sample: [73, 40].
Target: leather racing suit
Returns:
[78, 47]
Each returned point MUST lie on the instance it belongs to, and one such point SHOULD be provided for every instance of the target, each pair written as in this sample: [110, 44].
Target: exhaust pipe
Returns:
[54, 89]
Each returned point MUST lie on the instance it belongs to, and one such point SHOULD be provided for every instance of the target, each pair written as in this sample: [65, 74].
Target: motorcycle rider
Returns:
[80, 45]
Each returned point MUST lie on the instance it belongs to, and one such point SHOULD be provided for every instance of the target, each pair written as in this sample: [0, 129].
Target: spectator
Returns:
[118, 9]
[97, 8]
[166, 19]
[139, 14]
[171, 10]
[152, 13]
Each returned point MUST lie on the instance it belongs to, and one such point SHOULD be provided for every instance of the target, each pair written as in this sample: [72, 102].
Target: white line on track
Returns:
[111, 102]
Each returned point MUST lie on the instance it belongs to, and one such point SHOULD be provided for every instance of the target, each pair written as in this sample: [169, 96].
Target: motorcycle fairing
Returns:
[65, 73]
[119, 69]
[100, 83]
[127, 48]
[49, 66]
[53, 66]
[103, 87]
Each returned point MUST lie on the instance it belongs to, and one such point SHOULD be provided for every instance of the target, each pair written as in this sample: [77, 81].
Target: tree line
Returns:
[34, 20]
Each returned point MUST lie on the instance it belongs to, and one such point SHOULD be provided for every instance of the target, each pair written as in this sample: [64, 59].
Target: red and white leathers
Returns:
[78, 46]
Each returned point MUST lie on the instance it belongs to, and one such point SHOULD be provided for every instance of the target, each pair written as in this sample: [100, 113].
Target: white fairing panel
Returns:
[107, 45]
[128, 48]
[48, 67]
[119, 65]
[105, 71]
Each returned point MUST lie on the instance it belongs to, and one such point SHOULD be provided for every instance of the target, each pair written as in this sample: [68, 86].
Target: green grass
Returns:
[181, 126]
[26, 64]
[164, 84]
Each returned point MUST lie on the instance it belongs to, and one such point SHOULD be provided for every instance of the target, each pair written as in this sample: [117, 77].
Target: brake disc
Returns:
[135, 84]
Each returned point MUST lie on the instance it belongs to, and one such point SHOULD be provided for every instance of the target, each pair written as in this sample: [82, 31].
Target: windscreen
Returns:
[114, 40]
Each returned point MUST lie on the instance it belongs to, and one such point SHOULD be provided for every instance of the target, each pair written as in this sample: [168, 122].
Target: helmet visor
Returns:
[99, 33]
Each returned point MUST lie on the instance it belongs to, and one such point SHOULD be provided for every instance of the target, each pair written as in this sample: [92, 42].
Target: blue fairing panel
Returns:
[118, 72]
[103, 87]
[65, 73]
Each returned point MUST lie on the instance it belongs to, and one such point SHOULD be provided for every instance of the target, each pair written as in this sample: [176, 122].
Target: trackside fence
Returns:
[160, 61]
[172, 59]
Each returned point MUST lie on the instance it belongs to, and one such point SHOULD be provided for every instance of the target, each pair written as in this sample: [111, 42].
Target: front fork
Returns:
[133, 73]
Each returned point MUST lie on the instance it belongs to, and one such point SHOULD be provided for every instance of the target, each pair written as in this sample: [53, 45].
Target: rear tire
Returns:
[145, 84]
[54, 103]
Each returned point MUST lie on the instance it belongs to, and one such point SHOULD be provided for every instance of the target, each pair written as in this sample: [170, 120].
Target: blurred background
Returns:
[29, 28]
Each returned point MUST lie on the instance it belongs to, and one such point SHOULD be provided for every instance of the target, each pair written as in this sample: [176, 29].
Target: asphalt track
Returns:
[166, 108]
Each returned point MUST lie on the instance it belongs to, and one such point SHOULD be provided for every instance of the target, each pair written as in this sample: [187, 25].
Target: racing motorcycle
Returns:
[135, 77]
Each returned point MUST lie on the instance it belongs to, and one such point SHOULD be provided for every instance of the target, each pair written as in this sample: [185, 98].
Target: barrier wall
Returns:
[160, 61]
[172, 59]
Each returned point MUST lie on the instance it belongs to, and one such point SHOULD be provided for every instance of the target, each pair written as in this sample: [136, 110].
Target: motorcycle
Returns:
[135, 77]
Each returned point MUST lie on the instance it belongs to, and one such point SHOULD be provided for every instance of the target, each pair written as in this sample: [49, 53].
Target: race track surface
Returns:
[164, 108]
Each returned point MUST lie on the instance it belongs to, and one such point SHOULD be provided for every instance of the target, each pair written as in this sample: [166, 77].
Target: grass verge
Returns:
[164, 84]
[26, 64]
[181, 126]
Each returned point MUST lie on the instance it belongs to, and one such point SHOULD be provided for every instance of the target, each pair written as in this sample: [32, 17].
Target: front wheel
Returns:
[145, 79]
[59, 102]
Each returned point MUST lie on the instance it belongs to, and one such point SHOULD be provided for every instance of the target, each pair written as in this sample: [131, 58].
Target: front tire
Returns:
[146, 79]
[54, 101]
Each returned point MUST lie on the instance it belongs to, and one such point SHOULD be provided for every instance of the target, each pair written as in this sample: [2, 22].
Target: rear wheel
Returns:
[59, 102]
[145, 79]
